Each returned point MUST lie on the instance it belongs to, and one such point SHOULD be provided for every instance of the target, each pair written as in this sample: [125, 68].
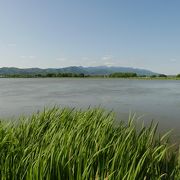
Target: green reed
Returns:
[84, 144]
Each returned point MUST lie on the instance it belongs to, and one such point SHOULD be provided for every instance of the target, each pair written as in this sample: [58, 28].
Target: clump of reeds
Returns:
[74, 144]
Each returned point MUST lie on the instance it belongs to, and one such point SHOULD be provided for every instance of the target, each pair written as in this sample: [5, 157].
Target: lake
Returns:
[150, 99]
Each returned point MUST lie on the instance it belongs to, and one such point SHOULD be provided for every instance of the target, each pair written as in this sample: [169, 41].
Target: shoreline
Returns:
[100, 77]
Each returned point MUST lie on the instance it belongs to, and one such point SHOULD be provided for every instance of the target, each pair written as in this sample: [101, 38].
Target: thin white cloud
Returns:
[61, 59]
[108, 60]
[12, 44]
[109, 63]
[108, 57]
[32, 57]
[173, 60]
[85, 58]
[27, 57]
[92, 63]
[23, 57]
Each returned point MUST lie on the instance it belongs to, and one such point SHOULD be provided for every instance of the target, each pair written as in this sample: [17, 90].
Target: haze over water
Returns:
[152, 99]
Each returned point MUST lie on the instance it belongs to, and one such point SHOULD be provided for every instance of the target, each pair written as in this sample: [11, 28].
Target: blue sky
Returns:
[59, 33]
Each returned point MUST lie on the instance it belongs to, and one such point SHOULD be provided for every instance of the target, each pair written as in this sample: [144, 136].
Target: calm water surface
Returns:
[152, 99]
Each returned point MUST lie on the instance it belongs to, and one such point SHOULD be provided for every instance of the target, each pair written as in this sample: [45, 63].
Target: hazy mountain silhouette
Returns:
[99, 70]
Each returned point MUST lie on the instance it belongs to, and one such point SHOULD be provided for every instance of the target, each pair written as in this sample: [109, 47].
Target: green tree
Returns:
[153, 76]
[51, 75]
[123, 75]
[162, 75]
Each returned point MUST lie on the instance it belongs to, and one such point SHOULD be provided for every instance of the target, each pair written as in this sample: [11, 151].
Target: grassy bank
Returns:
[73, 144]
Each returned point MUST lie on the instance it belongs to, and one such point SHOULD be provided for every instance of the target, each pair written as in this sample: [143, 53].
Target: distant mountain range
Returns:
[99, 70]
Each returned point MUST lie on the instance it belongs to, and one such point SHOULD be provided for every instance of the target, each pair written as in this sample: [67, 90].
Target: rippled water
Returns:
[152, 99]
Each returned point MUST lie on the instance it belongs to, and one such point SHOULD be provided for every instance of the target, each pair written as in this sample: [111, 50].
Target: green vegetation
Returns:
[153, 76]
[128, 75]
[123, 75]
[81, 72]
[74, 144]
[48, 75]
[162, 75]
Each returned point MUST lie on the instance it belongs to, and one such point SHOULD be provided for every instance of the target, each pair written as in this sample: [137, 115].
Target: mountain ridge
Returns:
[97, 70]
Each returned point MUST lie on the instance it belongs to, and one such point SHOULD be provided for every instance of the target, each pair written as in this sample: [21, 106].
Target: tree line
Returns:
[123, 75]
[45, 75]
[82, 75]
